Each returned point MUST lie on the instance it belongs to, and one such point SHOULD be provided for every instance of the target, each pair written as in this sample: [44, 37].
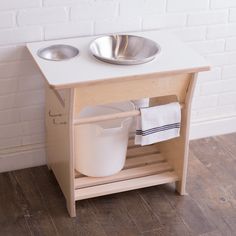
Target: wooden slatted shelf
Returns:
[137, 156]
[130, 184]
[123, 175]
[144, 166]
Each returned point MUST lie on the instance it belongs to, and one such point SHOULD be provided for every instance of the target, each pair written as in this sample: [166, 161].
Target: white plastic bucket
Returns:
[100, 148]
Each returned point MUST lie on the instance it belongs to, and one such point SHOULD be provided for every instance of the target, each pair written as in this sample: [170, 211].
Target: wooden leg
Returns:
[71, 208]
[180, 187]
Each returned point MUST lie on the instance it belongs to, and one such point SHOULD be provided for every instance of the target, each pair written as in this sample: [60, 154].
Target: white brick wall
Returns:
[209, 26]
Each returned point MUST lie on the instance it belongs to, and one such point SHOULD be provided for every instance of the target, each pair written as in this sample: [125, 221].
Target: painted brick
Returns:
[7, 19]
[211, 46]
[218, 87]
[9, 117]
[8, 86]
[94, 10]
[207, 18]
[227, 99]
[186, 5]
[20, 35]
[229, 71]
[230, 44]
[205, 102]
[42, 16]
[7, 102]
[32, 127]
[222, 59]
[222, 3]
[16, 4]
[232, 15]
[30, 98]
[191, 34]
[18, 68]
[32, 113]
[14, 53]
[34, 82]
[221, 31]
[216, 112]
[213, 75]
[10, 142]
[10, 131]
[228, 85]
[164, 21]
[117, 24]
[58, 2]
[141, 7]
[72, 29]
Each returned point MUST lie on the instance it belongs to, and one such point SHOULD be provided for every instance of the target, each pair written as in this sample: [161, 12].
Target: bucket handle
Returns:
[124, 125]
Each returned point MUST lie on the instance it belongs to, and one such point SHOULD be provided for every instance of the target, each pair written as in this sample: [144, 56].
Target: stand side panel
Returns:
[59, 142]
[176, 150]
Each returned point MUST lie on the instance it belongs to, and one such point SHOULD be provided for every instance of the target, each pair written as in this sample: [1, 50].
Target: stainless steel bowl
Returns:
[124, 49]
[58, 52]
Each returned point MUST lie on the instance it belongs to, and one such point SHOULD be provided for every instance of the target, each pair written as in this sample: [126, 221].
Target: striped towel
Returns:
[158, 123]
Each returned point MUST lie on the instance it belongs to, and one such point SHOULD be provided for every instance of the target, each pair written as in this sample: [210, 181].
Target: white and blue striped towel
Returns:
[158, 124]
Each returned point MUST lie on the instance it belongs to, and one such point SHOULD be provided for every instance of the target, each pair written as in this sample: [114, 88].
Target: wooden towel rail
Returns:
[94, 119]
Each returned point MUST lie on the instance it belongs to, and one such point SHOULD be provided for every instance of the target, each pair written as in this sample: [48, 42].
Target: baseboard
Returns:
[214, 127]
[22, 157]
[34, 155]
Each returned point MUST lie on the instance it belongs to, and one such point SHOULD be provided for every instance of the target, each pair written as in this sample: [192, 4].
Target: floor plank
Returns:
[143, 217]
[12, 212]
[113, 215]
[37, 216]
[215, 157]
[209, 194]
[171, 222]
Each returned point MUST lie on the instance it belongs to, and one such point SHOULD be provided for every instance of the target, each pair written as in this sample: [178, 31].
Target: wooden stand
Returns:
[156, 164]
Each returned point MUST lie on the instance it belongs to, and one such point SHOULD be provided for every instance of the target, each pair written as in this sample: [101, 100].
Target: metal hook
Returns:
[54, 115]
[59, 123]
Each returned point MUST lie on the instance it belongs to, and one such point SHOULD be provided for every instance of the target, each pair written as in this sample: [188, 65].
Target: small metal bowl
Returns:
[124, 49]
[58, 52]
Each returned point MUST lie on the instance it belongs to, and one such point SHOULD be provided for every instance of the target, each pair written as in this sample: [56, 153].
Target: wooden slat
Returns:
[138, 151]
[131, 143]
[121, 186]
[143, 160]
[136, 161]
[123, 175]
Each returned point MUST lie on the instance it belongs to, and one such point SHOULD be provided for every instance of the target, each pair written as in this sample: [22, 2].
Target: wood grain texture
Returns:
[31, 202]
[59, 148]
[148, 86]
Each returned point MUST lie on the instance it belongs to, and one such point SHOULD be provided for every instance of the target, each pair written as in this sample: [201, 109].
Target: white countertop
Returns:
[175, 56]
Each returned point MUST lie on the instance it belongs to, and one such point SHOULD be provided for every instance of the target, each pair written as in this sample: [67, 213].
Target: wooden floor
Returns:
[31, 202]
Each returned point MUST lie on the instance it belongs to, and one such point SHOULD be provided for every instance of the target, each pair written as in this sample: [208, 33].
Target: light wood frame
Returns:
[161, 163]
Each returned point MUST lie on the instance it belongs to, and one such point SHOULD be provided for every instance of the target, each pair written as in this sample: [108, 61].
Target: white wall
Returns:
[207, 25]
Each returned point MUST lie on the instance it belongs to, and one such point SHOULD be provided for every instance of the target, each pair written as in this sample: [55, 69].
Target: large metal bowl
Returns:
[58, 52]
[124, 49]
